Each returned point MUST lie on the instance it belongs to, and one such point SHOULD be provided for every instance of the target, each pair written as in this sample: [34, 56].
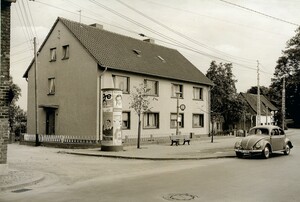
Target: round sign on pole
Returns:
[182, 107]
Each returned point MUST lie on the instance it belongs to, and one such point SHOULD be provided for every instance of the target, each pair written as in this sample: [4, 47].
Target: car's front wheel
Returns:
[287, 150]
[266, 152]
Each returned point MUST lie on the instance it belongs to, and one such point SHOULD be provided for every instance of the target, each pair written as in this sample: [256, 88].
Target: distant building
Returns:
[268, 111]
[76, 61]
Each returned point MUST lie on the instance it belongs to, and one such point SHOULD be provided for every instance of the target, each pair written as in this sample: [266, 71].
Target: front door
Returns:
[50, 122]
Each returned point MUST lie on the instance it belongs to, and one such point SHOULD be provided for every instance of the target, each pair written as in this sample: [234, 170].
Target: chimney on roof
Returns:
[149, 40]
[96, 25]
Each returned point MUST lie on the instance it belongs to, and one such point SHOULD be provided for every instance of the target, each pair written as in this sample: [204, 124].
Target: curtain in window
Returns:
[196, 92]
[53, 54]
[173, 120]
[66, 52]
[152, 87]
[51, 86]
[196, 120]
[121, 83]
[175, 88]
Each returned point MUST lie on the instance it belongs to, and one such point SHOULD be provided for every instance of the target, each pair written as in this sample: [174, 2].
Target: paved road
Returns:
[89, 179]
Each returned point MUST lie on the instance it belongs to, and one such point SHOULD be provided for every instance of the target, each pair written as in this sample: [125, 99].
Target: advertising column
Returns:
[112, 120]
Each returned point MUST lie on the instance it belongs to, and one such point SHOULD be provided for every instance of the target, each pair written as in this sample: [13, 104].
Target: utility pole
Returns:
[283, 103]
[35, 93]
[258, 97]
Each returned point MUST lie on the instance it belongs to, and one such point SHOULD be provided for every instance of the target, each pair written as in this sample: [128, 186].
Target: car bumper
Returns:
[248, 152]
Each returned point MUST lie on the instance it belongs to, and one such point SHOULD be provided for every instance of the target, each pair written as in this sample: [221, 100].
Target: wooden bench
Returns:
[176, 139]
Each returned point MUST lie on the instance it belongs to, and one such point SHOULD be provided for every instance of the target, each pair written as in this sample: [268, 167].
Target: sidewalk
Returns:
[202, 148]
[222, 147]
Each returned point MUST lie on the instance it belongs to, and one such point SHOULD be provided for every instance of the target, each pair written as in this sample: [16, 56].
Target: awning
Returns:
[49, 106]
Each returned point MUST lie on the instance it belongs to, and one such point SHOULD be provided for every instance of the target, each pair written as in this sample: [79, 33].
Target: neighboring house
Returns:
[268, 111]
[76, 61]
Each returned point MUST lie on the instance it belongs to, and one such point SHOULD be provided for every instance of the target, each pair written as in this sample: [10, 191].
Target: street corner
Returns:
[16, 179]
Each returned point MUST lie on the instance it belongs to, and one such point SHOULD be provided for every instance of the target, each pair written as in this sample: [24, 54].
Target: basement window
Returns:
[137, 52]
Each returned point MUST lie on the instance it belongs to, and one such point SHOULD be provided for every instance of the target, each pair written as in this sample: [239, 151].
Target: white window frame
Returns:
[177, 88]
[197, 95]
[150, 92]
[65, 52]
[115, 80]
[51, 86]
[146, 120]
[173, 117]
[200, 121]
[52, 54]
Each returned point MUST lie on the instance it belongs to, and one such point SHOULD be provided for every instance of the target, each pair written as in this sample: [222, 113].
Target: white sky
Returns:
[215, 30]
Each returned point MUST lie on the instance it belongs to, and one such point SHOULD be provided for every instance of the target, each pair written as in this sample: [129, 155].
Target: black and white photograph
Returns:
[149, 100]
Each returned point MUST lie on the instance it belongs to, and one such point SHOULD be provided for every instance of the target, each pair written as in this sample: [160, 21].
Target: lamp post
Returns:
[177, 113]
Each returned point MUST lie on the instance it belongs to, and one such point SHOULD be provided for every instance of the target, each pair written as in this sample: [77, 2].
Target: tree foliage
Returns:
[17, 116]
[224, 98]
[288, 66]
[140, 102]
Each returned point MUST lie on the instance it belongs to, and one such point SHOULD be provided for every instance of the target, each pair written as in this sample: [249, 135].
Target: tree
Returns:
[288, 66]
[263, 90]
[140, 102]
[17, 116]
[224, 99]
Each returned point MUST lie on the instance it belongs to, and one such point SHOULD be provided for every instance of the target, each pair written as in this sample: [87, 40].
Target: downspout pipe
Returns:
[99, 115]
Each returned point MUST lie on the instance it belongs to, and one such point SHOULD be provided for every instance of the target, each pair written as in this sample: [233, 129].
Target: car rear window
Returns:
[259, 131]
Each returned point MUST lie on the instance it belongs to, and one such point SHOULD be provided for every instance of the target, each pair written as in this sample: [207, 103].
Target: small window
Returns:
[125, 120]
[198, 120]
[121, 82]
[197, 93]
[65, 52]
[174, 120]
[151, 120]
[177, 88]
[152, 86]
[51, 86]
[52, 54]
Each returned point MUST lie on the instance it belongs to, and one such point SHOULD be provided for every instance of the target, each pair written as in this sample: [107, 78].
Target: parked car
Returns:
[263, 140]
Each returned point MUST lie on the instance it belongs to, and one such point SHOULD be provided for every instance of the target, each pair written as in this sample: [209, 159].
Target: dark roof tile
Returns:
[116, 51]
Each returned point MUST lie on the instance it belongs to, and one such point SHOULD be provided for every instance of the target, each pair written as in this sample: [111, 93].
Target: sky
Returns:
[250, 34]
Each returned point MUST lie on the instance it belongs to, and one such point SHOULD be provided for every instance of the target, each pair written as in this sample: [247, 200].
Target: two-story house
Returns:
[76, 61]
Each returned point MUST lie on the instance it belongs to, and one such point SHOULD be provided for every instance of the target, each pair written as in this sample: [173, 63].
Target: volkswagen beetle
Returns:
[263, 140]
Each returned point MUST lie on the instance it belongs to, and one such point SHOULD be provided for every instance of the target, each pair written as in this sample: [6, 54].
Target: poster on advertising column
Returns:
[112, 120]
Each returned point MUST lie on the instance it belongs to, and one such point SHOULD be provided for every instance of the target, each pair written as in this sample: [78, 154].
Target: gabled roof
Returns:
[251, 100]
[119, 52]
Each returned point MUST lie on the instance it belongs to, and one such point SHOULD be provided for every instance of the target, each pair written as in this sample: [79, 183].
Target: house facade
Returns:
[76, 61]
[268, 111]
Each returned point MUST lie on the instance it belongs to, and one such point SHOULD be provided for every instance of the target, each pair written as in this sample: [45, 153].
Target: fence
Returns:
[60, 139]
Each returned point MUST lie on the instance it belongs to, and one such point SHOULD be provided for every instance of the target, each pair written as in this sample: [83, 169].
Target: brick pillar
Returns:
[4, 85]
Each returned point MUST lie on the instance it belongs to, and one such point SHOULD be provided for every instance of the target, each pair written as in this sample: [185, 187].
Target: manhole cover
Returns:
[21, 190]
[180, 197]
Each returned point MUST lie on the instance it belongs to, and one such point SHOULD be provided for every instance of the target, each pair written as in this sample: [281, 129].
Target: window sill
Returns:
[146, 128]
